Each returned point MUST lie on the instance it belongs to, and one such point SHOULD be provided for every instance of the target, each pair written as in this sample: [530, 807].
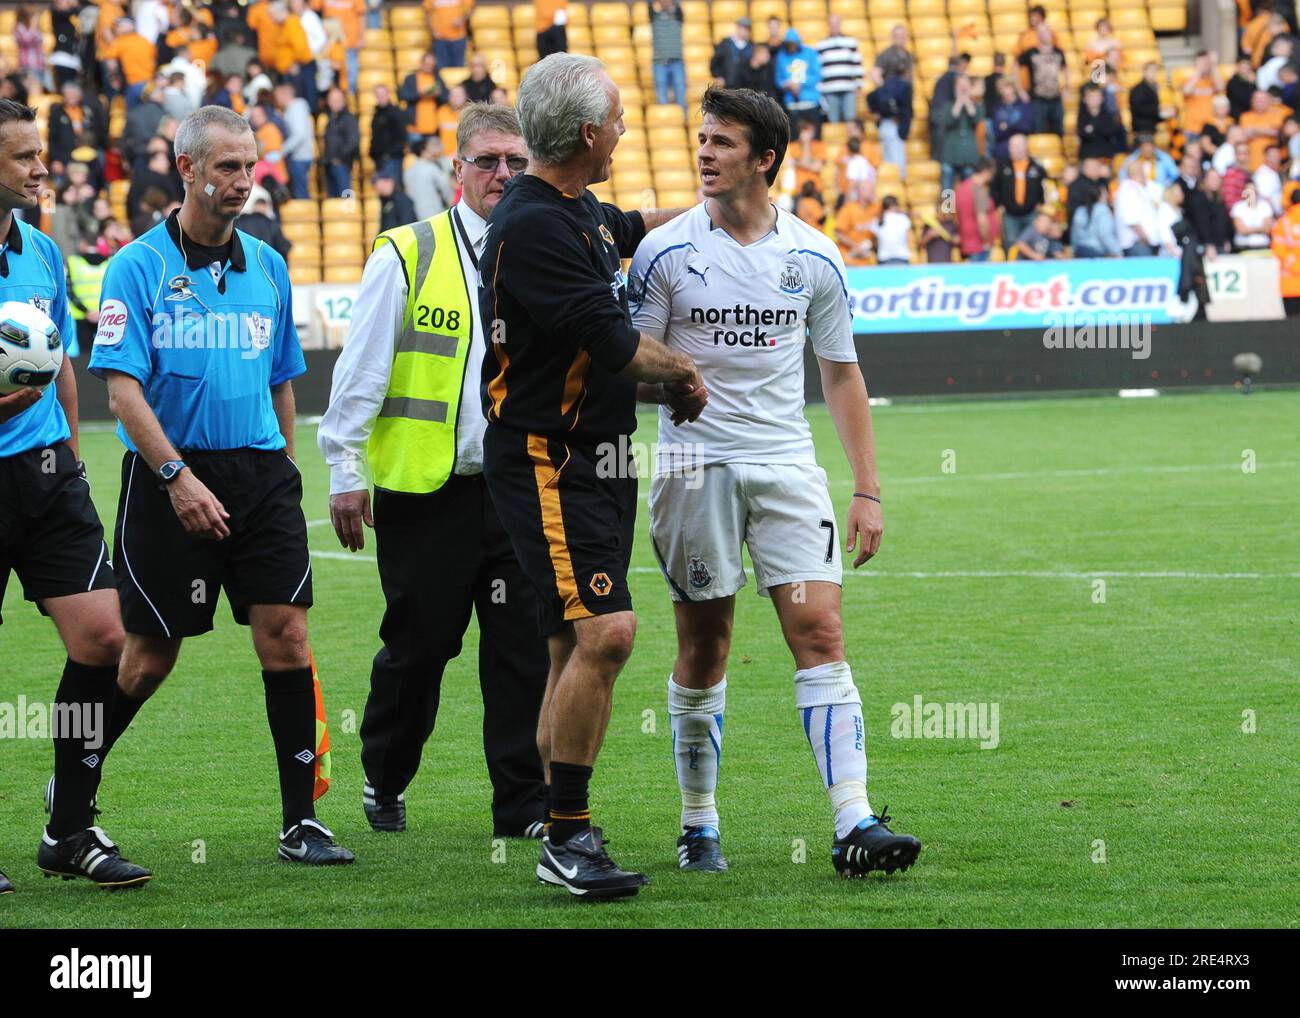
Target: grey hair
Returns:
[192, 138]
[557, 96]
[478, 117]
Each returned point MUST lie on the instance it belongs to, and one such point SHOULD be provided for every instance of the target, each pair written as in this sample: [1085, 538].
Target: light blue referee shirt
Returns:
[206, 341]
[31, 271]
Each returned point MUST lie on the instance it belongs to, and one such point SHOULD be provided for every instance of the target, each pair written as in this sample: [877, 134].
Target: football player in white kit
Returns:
[740, 286]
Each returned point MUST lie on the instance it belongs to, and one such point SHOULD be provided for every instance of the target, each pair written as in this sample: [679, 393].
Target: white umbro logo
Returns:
[306, 756]
[91, 761]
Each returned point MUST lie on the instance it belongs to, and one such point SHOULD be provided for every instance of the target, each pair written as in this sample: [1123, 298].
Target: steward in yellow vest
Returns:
[85, 280]
[413, 445]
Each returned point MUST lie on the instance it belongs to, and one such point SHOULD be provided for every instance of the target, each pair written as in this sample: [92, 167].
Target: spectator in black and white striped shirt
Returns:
[841, 72]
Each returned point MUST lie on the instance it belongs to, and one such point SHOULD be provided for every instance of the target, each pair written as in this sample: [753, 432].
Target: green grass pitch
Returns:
[1123, 790]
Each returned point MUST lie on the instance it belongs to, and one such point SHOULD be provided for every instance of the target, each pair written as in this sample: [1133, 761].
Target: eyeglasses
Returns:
[489, 163]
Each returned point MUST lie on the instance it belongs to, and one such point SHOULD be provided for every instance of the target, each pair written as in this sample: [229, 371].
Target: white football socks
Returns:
[696, 716]
[830, 710]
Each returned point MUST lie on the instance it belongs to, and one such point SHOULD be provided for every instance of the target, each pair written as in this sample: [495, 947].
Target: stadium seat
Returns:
[294, 210]
[803, 11]
[761, 10]
[341, 252]
[725, 13]
[1169, 17]
[489, 15]
[402, 16]
[342, 274]
[610, 14]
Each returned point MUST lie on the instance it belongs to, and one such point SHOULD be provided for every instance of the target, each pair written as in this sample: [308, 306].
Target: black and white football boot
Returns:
[873, 846]
[700, 849]
[90, 854]
[385, 812]
[5, 886]
[311, 843]
[584, 868]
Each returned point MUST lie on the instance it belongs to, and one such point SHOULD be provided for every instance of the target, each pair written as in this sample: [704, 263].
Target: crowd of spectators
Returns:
[1222, 179]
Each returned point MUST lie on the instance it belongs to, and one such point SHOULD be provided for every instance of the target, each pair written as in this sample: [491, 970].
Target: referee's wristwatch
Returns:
[170, 470]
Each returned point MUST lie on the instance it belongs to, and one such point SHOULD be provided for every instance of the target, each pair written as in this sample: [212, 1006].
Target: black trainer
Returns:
[873, 846]
[5, 886]
[583, 866]
[49, 800]
[700, 848]
[311, 843]
[90, 854]
[385, 812]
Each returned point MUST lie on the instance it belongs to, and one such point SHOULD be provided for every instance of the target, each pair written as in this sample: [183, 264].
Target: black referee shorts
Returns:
[569, 521]
[50, 533]
[169, 579]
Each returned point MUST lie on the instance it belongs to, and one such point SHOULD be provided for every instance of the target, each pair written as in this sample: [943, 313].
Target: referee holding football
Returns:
[406, 393]
[50, 533]
[197, 342]
[559, 389]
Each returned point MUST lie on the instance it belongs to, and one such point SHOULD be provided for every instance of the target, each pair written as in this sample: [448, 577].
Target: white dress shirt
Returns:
[362, 371]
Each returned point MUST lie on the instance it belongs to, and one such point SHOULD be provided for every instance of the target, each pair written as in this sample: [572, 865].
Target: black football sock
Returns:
[125, 708]
[83, 705]
[568, 811]
[291, 711]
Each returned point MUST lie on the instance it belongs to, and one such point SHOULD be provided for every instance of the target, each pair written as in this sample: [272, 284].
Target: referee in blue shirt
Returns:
[197, 343]
[50, 534]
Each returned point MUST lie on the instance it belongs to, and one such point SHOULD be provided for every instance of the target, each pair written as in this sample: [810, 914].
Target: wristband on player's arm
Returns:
[863, 494]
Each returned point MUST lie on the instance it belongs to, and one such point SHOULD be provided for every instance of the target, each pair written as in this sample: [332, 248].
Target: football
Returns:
[31, 350]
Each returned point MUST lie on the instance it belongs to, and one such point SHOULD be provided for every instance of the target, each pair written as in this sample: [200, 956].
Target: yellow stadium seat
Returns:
[495, 35]
[698, 32]
[893, 11]
[725, 13]
[294, 210]
[610, 34]
[525, 15]
[1129, 17]
[340, 230]
[306, 252]
[761, 10]
[665, 137]
[340, 208]
[402, 38]
[303, 274]
[1168, 17]
[670, 115]
[405, 16]
[960, 7]
[675, 199]
[342, 273]
[489, 15]
[341, 252]
[301, 229]
[926, 27]
[676, 180]
[693, 11]
[610, 14]
[802, 11]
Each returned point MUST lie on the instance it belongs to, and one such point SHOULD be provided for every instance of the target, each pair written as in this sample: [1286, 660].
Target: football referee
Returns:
[559, 390]
[406, 394]
[197, 342]
[50, 534]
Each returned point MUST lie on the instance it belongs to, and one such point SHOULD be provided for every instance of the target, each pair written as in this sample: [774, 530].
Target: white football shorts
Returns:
[781, 511]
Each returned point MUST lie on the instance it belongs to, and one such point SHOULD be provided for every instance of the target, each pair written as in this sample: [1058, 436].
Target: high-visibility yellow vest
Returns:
[85, 283]
[413, 445]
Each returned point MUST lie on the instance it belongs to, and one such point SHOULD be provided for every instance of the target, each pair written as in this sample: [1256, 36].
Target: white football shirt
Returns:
[744, 313]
